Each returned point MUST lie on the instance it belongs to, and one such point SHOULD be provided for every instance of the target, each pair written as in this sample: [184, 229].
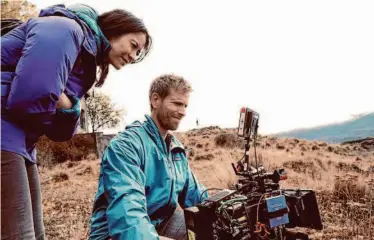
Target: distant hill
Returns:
[358, 128]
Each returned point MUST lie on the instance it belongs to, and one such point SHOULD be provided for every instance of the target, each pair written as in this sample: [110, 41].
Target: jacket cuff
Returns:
[73, 112]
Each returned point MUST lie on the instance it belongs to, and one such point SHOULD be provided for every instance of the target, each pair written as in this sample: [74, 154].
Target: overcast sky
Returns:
[298, 63]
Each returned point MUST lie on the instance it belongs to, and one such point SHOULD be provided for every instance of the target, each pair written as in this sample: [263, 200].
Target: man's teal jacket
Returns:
[141, 182]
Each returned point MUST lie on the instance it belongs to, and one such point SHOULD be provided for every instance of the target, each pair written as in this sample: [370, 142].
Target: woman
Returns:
[47, 65]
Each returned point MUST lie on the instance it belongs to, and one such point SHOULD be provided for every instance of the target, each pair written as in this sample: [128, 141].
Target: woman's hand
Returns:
[64, 102]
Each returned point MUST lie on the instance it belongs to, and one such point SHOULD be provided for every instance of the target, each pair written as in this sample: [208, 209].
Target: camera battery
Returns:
[277, 211]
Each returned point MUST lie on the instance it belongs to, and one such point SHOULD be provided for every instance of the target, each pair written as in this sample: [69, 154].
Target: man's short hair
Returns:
[162, 85]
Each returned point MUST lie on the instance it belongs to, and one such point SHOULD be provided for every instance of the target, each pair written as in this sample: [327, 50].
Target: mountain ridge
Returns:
[360, 127]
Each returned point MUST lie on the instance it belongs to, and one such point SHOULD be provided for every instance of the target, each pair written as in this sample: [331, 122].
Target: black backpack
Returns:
[8, 24]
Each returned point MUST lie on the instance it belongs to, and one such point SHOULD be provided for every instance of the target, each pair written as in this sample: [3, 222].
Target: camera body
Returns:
[276, 212]
[255, 207]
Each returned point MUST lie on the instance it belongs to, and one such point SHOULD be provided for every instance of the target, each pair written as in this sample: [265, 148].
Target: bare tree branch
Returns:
[102, 112]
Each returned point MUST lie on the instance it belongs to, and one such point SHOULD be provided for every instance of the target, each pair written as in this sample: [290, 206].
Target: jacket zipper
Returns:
[172, 180]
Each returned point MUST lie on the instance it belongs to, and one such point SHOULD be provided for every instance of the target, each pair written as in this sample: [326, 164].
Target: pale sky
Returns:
[297, 63]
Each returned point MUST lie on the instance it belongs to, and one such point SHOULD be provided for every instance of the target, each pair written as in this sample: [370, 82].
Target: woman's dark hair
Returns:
[116, 23]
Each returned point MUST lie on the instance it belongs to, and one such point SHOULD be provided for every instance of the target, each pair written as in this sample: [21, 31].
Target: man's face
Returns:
[172, 109]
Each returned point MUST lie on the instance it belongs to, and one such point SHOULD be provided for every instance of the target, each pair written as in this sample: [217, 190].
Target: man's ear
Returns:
[155, 100]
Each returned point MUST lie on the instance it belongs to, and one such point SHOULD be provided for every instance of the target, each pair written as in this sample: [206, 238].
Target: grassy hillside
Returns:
[342, 175]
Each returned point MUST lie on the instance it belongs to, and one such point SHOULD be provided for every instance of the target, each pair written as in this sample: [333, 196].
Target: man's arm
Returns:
[192, 191]
[124, 188]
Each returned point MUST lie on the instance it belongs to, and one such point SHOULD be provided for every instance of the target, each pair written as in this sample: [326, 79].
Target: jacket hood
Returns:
[87, 17]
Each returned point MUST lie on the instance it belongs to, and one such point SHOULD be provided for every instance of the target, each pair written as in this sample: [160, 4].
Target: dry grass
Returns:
[347, 209]
[341, 175]
[67, 204]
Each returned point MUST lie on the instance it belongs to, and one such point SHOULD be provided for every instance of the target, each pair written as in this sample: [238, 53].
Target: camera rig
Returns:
[255, 207]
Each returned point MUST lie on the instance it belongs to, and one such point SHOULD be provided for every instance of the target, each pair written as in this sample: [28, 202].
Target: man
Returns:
[145, 174]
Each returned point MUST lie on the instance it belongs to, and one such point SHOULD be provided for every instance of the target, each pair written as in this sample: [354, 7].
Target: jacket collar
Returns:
[90, 16]
[153, 131]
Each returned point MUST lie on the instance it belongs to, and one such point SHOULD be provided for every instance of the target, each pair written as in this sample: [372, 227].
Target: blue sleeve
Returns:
[124, 183]
[51, 47]
[192, 191]
[65, 122]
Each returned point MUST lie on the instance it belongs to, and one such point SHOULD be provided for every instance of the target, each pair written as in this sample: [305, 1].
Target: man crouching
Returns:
[145, 173]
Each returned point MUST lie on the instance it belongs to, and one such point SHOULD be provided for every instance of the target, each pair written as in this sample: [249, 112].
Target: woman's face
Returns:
[126, 49]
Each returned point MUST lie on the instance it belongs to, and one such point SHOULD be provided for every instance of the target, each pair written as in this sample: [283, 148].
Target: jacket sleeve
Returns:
[192, 191]
[51, 47]
[124, 183]
[65, 122]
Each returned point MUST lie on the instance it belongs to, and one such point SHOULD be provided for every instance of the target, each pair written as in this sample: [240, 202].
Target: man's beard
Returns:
[164, 118]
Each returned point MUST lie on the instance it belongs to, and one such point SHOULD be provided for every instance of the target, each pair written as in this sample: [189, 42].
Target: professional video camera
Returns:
[255, 207]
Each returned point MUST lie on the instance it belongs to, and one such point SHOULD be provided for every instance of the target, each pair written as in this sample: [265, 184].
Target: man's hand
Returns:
[64, 102]
[165, 238]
